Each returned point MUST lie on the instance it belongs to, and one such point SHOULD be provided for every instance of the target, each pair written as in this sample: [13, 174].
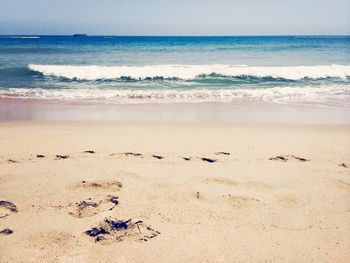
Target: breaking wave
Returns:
[189, 72]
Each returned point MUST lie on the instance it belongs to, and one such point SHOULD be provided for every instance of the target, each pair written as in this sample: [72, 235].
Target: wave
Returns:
[337, 96]
[37, 50]
[25, 37]
[190, 72]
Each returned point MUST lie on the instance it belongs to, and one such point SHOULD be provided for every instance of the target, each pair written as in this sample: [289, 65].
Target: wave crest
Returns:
[189, 72]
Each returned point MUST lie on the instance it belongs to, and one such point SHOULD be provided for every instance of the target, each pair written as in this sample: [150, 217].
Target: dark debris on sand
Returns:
[118, 230]
[12, 161]
[96, 231]
[62, 157]
[133, 154]
[40, 156]
[114, 200]
[159, 157]
[9, 206]
[209, 160]
[343, 165]
[101, 184]
[285, 158]
[279, 158]
[223, 153]
[84, 204]
[82, 208]
[6, 232]
[299, 158]
[90, 151]
[187, 158]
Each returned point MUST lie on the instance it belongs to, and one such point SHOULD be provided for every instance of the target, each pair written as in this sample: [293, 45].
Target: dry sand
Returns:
[241, 208]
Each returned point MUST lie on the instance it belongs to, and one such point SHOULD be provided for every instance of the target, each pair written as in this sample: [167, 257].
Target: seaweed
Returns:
[90, 151]
[40, 156]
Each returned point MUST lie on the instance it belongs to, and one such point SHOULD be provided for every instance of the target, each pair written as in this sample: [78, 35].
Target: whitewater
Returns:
[313, 70]
[188, 72]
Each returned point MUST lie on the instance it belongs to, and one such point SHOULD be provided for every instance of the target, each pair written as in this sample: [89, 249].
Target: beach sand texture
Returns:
[193, 192]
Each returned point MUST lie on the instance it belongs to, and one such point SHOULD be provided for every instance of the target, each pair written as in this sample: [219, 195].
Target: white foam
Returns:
[337, 96]
[188, 72]
[26, 37]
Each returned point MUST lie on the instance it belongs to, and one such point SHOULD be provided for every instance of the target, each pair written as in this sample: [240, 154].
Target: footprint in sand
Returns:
[208, 160]
[230, 182]
[223, 153]
[55, 243]
[91, 207]
[220, 180]
[62, 157]
[99, 185]
[285, 158]
[289, 201]
[127, 154]
[6, 208]
[90, 152]
[139, 155]
[113, 230]
[159, 157]
[343, 184]
[240, 202]
[6, 232]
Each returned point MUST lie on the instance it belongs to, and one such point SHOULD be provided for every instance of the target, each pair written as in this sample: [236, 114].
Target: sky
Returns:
[176, 17]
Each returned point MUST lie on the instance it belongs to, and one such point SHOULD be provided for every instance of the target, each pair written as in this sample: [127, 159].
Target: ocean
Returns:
[297, 70]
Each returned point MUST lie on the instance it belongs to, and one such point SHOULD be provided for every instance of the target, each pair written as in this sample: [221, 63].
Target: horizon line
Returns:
[125, 35]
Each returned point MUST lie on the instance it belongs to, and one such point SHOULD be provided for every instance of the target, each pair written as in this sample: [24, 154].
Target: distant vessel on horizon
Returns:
[80, 35]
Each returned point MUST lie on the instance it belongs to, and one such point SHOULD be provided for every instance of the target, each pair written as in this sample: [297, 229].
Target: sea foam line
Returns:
[325, 96]
[188, 72]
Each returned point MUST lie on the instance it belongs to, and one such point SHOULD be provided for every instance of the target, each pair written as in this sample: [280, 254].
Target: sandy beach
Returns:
[174, 131]
[194, 192]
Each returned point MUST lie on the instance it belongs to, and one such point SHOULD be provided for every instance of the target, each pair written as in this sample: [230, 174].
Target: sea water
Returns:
[303, 70]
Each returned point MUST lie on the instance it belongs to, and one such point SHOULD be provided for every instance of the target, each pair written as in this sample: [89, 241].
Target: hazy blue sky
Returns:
[176, 17]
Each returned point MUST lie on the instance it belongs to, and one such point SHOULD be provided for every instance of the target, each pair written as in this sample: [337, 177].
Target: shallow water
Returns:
[298, 70]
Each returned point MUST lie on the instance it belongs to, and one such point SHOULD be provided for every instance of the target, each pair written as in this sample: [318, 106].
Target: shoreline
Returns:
[48, 110]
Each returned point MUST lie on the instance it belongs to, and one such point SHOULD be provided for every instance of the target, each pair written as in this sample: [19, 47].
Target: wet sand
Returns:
[230, 113]
[194, 192]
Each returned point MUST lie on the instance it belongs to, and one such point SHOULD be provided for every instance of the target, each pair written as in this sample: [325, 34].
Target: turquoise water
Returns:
[280, 69]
